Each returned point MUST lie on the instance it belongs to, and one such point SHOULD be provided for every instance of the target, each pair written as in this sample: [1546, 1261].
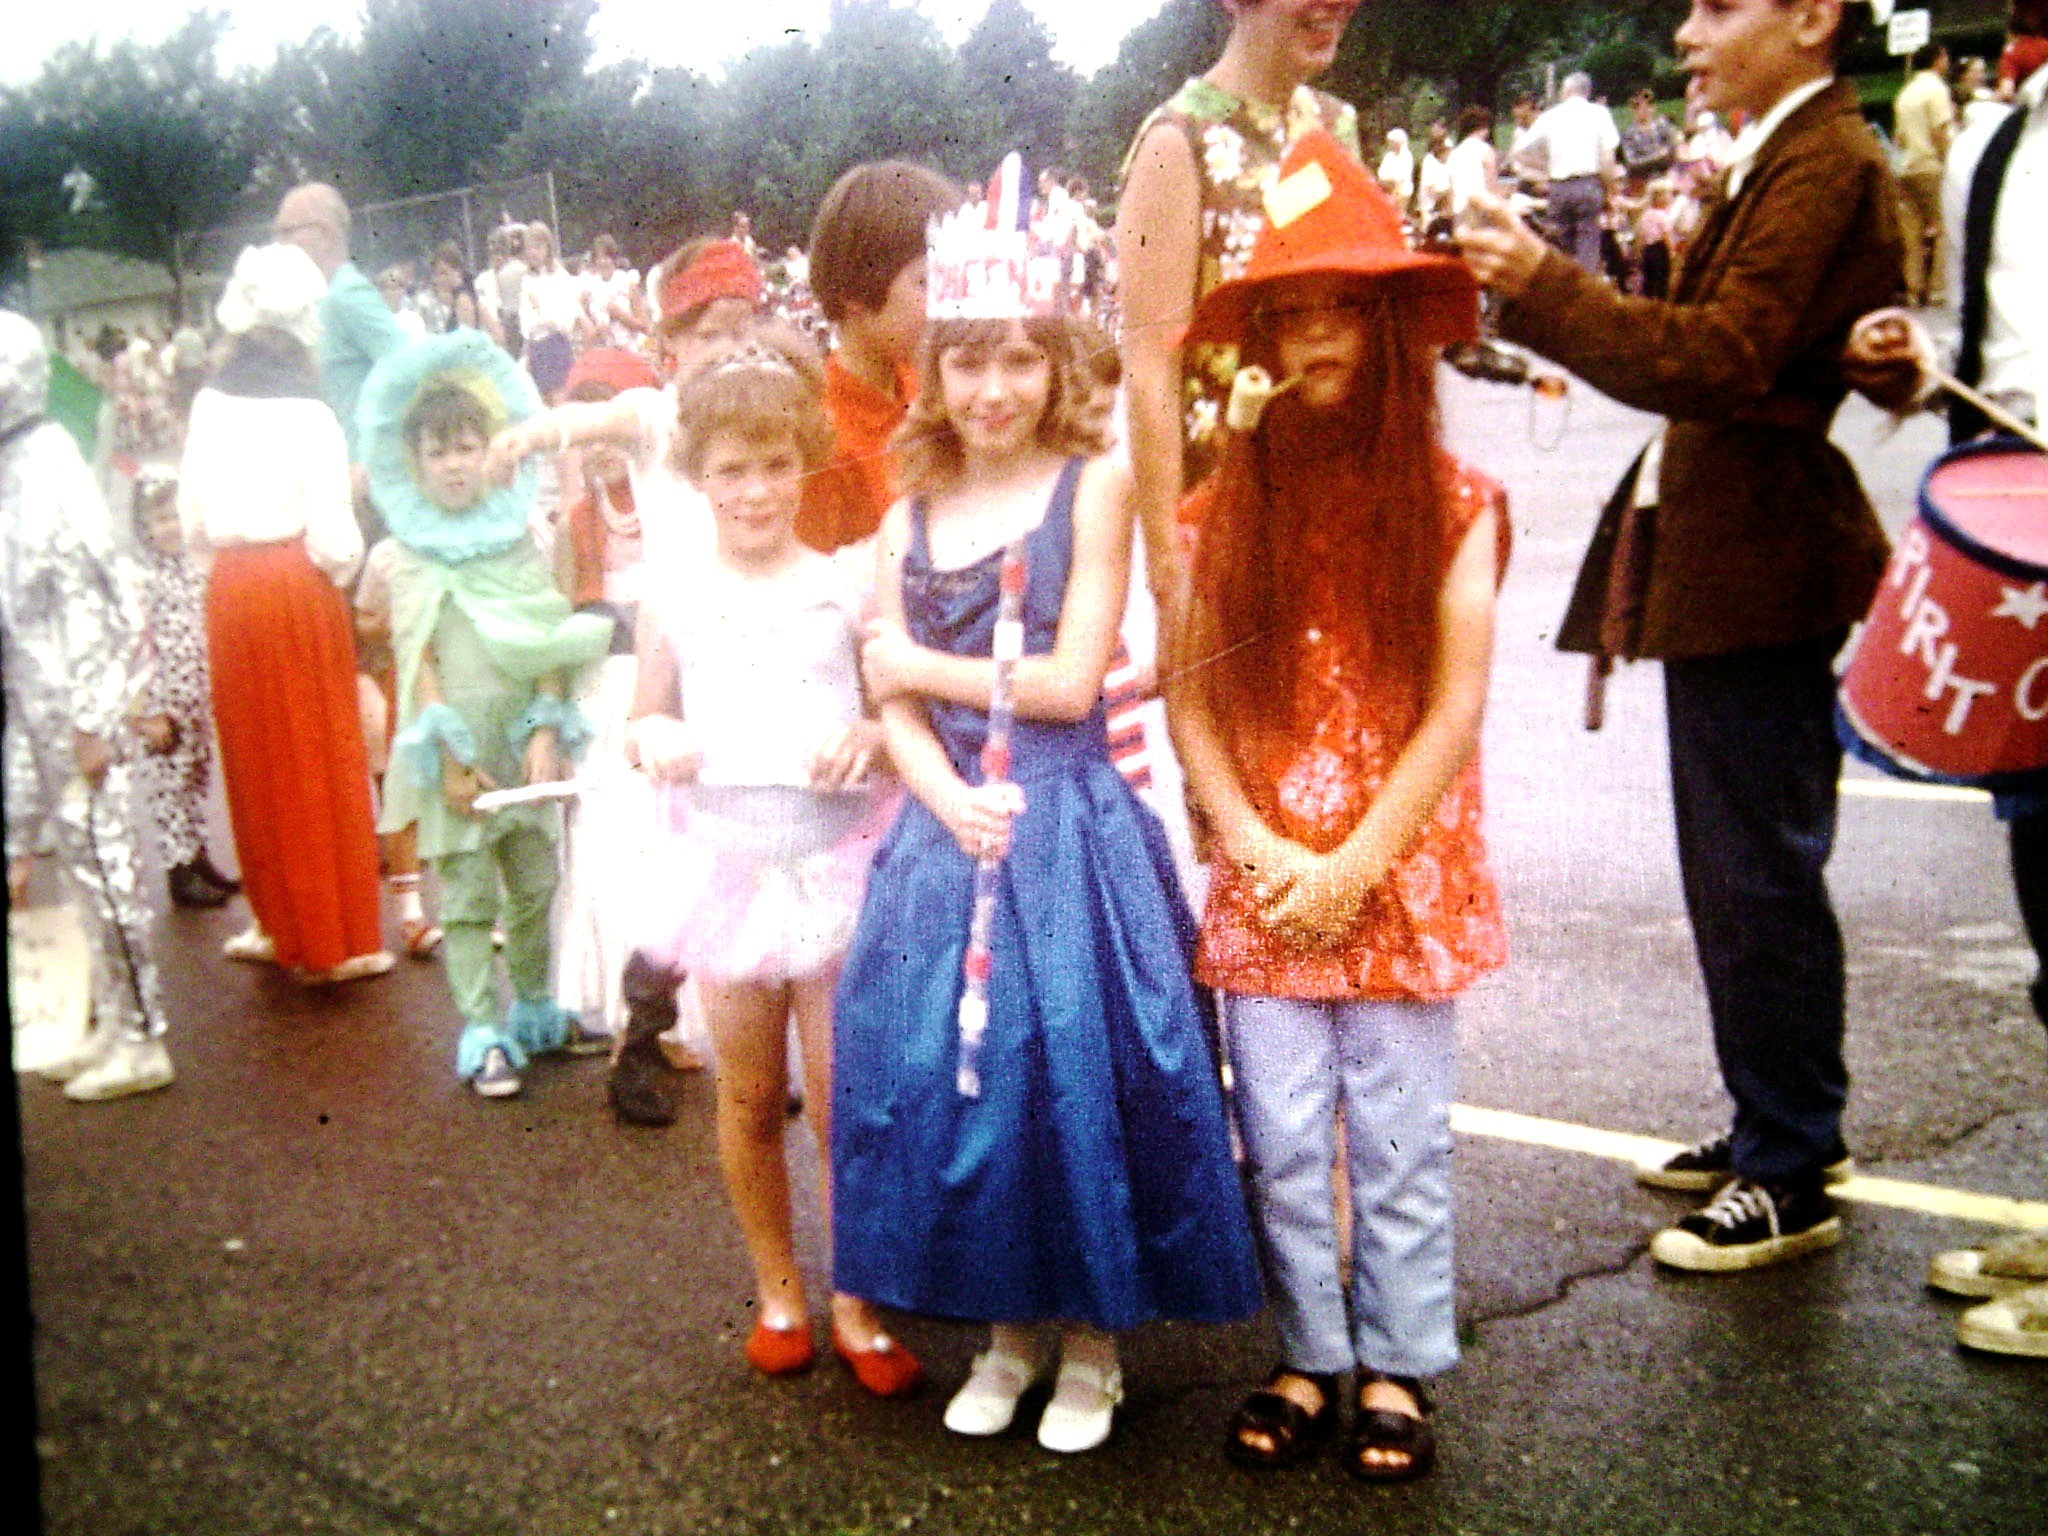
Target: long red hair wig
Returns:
[1324, 518]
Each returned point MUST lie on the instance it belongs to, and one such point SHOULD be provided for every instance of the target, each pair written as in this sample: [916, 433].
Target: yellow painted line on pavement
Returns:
[1620, 1147]
[1906, 789]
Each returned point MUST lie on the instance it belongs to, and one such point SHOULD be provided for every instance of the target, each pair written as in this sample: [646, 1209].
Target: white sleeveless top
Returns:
[766, 669]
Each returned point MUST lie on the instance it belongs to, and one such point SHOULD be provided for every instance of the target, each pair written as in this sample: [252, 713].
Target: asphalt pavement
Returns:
[318, 1287]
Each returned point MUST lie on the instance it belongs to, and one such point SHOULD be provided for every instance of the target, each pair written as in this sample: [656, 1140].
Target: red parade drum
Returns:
[1949, 678]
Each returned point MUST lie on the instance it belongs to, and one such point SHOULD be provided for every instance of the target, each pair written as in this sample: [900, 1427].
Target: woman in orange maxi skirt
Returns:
[265, 492]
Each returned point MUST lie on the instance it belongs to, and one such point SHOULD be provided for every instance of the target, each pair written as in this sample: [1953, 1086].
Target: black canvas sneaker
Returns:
[1702, 1169]
[1747, 1226]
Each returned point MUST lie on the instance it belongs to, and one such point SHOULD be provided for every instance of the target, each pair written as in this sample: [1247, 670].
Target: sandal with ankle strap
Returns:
[1385, 1429]
[1293, 1432]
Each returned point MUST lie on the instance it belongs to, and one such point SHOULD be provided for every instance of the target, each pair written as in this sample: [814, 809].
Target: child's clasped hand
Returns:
[667, 749]
[980, 817]
[461, 784]
[844, 757]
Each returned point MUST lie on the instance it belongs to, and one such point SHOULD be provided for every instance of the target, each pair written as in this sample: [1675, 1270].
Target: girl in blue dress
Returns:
[1089, 1184]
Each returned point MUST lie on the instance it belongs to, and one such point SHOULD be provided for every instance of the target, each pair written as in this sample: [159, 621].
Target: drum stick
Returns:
[1999, 416]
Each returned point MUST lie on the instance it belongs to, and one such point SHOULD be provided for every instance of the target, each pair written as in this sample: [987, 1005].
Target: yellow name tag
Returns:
[1292, 196]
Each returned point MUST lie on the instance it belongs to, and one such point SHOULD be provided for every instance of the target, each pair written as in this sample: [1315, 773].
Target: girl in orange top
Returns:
[1327, 708]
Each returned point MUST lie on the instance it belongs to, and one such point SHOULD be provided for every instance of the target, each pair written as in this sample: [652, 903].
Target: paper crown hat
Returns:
[1325, 215]
[987, 261]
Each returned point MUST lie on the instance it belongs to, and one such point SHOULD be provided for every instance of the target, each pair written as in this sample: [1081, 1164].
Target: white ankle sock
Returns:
[407, 889]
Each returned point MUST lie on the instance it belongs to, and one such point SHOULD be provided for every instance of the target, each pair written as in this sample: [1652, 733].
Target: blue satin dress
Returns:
[1092, 1180]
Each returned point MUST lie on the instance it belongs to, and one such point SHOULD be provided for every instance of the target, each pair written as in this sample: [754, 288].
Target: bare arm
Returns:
[1158, 242]
[1062, 686]
[613, 423]
[977, 816]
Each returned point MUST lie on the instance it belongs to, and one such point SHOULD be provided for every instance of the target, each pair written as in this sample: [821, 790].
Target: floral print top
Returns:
[1238, 146]
[1433, 925]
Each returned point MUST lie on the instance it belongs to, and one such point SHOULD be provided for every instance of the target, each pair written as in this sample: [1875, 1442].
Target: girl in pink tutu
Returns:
[750, 719]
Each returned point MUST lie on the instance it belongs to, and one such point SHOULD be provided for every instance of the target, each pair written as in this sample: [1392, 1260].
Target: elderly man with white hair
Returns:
[1581, 141]
[356, 326]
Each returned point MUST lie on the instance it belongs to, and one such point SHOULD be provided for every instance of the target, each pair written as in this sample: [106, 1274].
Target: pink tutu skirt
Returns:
[758, 883]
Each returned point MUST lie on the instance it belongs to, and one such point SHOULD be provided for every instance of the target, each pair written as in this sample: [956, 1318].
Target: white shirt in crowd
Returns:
[1471, 167]
[601, 294]
[2016, 282]
[264, 471]
[550, 303]
[1434, 183]
[1579, 136]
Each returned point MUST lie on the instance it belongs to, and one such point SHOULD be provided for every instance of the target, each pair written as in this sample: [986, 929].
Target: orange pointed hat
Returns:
[1325, 215]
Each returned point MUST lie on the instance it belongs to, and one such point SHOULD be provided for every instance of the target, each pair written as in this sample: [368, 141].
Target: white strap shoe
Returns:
[988, 1402]
[1084, 1401]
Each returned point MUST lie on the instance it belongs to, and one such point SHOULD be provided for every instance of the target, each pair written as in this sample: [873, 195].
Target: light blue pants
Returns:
[1391, 1062]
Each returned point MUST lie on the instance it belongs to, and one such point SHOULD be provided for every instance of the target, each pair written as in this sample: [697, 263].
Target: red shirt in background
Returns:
[844, 502]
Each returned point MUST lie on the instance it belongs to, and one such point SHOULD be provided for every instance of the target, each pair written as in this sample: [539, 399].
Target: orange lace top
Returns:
[1433, 925]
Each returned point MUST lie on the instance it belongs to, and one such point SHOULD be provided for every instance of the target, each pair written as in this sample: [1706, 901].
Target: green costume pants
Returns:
[509, 882]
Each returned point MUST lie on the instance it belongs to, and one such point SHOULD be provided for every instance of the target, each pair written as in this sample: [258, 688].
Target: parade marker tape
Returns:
[1903, 789]
[1927, 1199]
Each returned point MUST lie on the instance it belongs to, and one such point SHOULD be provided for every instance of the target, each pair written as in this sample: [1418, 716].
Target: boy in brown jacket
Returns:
[1738, 551]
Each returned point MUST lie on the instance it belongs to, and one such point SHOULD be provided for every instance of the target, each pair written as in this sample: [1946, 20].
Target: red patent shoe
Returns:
[781, 1351]
[885, 1367]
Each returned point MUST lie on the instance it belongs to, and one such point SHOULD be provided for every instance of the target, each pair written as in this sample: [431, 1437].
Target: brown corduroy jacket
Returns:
[1761, 534]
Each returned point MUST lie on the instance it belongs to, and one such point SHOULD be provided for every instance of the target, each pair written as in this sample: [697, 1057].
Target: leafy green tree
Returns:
[880, 83]
[436, 86]
[1154, 58]
[162, 135]
[314, 108]
[629, 149]
[1474, 49]
[35, 207]
[1019, 92]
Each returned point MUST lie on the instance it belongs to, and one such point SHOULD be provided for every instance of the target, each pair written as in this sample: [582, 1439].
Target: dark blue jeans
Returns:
[1754, 764]
[2030, 884]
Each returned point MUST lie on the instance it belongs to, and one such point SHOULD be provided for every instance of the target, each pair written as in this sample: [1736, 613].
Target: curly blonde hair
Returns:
[928, 456]
[773, 387]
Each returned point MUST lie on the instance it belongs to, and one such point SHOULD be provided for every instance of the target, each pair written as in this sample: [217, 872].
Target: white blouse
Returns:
[263, 471]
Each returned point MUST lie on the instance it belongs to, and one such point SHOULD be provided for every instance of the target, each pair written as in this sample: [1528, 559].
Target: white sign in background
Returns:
[1908, 30]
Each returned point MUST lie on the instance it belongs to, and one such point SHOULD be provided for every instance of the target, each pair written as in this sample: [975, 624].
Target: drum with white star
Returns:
[1948, 680]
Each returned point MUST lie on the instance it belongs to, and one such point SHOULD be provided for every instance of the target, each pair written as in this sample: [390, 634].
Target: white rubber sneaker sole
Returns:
[1707, 1181]
[355, 968]
[47, 1044]
[2012, 1325]
[1963, 1272]
[1678, 1249]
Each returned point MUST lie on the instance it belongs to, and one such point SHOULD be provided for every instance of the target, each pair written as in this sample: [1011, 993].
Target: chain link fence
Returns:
[408, 229]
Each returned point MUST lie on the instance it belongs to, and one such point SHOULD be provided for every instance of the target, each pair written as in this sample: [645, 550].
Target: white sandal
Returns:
[1084, 1401]
[988, 1402]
